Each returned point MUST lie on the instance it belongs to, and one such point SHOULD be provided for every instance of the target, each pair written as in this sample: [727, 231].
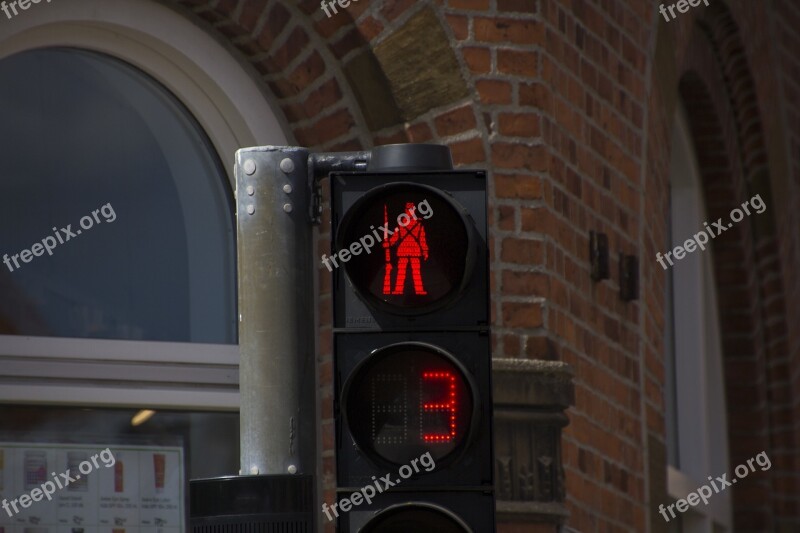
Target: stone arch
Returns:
[339, 87]
[291, 56]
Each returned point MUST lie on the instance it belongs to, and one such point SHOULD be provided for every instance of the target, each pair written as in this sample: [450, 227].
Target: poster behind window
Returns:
[92, 488]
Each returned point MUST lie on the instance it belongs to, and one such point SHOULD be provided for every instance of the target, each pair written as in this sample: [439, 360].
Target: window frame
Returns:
[698, 394]
[226, 100]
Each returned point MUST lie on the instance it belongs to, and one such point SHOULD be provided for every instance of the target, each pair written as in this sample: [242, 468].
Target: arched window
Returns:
[118, 127]
[121, 198]
[127, 103]
[696, 414]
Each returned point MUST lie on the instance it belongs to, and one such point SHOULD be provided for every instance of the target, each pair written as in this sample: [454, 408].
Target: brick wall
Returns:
[570, 105]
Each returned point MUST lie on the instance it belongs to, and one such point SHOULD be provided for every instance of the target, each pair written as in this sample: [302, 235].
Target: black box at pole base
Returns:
[252, 503]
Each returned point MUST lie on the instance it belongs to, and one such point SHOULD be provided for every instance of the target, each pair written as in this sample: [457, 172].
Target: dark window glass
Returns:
[148, 462]
[92, 145]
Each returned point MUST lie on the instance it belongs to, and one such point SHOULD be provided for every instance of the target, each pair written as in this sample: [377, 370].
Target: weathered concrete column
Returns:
[530, 397]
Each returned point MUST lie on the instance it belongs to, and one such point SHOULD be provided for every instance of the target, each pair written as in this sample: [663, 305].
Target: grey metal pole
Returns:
[277, 369]
[274, 211]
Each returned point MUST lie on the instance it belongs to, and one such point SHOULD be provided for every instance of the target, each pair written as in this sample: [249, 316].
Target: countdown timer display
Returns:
[409, 399]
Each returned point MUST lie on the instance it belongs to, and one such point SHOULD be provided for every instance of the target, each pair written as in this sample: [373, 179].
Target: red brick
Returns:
[226, 7]
[351, 40]
[525, 527]
[518, 63]
[517, 156]
[521, 6]
[540, 348]
[326, 405]
[535, 94]
[326, 128]
[349, 145]
[522, 251]
[506, 218]
[522, 315]
[511, 345]
[459, 25]
[251, 12]
[322, 98]
[327, 26]
[308, 71]
[467, 152]
[476, 5]
[355, 9]
[517, 186]
[276, 21]
[455, 121]
[231, 30]
[494, 91]
[396, 137]
[525, 283]
[370, 28]
[309, 7]
[519, 124]
[325, 341]
[291, 48]
[479, 60]
[392, 10]
[507, 31]
[325, 281]
[328, 435]
[537, 220]
[280, 87]
[419, 132]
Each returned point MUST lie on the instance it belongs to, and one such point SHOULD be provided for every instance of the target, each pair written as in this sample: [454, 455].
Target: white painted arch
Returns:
[216, 88]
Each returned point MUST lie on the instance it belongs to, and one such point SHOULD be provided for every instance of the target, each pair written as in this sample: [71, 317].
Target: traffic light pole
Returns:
[276, 318]
[277, 202]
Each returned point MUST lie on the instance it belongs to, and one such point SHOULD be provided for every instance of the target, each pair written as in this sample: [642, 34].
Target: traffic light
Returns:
[412, 362]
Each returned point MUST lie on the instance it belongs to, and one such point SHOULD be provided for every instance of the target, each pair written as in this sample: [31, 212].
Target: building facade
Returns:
[671, 130]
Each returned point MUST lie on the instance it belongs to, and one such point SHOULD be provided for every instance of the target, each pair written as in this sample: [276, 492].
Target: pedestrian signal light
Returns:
[417, 247]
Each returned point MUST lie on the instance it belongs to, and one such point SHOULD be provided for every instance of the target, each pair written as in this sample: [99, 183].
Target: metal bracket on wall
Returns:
[628, 277]
[598, 256]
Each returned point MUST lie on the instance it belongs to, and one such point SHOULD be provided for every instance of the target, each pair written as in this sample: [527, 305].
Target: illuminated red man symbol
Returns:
[411, 245]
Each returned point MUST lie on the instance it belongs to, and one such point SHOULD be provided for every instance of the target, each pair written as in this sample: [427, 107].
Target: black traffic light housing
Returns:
[438, 512]
[412, 346]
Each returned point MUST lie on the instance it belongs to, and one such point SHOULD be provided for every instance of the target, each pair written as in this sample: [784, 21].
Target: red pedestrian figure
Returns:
[411, 245]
